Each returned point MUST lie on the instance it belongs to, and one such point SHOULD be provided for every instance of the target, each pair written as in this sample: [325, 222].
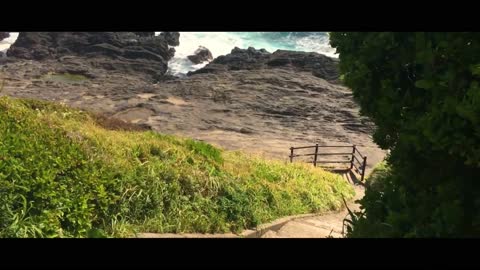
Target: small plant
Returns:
[220, 96]
[350, 222]
[65, 77]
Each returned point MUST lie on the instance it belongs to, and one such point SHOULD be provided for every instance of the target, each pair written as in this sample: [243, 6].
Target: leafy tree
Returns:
[422, 91]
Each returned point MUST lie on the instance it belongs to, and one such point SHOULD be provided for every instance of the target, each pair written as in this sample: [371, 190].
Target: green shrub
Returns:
[378, 186]
[422, 91]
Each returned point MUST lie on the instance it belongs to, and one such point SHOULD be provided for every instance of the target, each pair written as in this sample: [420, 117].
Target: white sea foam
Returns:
[221, 43]
[6, 43]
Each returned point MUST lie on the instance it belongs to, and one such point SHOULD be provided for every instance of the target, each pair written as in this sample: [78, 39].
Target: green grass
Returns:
[62, 174]
[65, 77]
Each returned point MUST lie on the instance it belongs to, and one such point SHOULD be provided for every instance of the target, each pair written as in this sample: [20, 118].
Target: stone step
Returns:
[185, 235]
[270, 234]
[296, 229]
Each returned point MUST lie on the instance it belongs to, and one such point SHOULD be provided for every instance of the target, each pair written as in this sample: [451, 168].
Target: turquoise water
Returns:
[311, 41]
[221, 43]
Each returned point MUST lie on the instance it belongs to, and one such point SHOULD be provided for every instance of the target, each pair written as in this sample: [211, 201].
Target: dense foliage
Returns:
[422, 91]
[64, 174]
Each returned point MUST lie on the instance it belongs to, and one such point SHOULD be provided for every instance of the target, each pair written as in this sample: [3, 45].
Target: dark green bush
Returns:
[422, 91]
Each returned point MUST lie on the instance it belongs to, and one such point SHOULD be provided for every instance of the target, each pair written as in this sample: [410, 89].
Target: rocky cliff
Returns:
[128, 52]
[319, 65]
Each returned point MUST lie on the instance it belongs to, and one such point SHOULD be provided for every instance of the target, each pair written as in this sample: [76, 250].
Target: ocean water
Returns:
[5, 44]
[221, 43]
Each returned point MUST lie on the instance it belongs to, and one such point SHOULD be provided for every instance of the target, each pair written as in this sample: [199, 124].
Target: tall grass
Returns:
[62, 174]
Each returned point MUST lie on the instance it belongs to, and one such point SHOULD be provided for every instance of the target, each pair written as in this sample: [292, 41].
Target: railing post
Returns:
[291, 154]
[315, 157]
[353, 153]
[364, 167]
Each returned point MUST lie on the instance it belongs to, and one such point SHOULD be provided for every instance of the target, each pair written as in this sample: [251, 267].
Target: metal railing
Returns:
[356, 160]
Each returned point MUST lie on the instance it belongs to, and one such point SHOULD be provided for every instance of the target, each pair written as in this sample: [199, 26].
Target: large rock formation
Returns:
[172, 38]
[250, 59]
[127, 52]
[145, 34]
[201, 55]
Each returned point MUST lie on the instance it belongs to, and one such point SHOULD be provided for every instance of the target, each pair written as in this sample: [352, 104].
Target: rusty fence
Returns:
[357, 162]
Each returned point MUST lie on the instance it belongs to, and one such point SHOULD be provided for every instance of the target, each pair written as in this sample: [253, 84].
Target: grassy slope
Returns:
[64, 175]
